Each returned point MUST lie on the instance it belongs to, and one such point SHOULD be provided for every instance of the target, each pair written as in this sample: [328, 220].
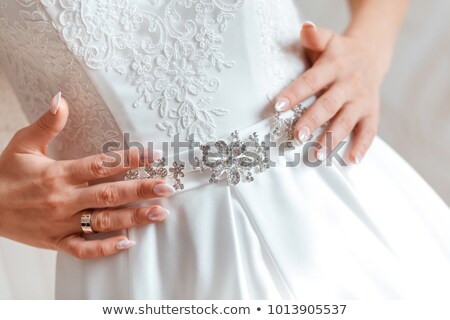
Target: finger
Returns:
[113, 194]
[106, 220]
[81, 248]
[108, 164]
[313, 38]
[309, 83]
[339, 128]
[364, 133]
[39, 134]
[321, 111]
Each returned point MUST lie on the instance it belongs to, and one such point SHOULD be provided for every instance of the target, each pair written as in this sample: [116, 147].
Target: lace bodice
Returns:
[151, 68]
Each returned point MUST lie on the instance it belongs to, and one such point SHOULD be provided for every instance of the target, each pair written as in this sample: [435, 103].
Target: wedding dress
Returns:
[157, 70]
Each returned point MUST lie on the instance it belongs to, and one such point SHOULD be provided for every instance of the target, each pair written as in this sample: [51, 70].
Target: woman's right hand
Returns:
[42, 200]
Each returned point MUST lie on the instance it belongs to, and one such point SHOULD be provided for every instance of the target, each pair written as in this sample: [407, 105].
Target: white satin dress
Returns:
[157, 69]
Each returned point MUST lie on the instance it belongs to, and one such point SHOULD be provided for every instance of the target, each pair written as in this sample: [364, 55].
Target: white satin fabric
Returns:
[374, 231]
[208, 67]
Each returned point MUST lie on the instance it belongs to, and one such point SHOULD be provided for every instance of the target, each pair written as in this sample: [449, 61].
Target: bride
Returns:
[252, 177]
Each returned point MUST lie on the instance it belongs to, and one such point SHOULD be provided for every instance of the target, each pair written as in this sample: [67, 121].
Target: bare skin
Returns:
[42, 199]
[347, 72]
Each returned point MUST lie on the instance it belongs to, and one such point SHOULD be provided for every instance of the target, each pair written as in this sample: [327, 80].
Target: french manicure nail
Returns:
[321, 154]
[163, 190]
[54, 104]
[303, 134]
[125, 244]
[282, 104]
[309, 25]
[157, 214]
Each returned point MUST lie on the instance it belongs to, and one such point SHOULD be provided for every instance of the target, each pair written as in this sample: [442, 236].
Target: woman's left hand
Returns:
[347, 73]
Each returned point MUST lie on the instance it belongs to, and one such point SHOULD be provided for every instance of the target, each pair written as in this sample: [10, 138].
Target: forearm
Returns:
[377, 22]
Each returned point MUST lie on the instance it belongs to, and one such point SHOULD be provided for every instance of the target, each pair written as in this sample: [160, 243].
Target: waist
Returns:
[236, 158]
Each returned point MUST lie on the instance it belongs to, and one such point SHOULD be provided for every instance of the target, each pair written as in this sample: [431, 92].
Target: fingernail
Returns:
[54, 104]
[157, 154]
[309, 25]
[163, 190]
[282, 104]
[303, 134]
[125, 244]
[157, 214]
[321, 154]
[357, 158]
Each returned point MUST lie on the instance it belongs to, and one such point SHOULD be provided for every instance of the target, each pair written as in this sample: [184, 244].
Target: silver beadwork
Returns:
[158, 170]
[177, 173]
[132, 175]
[237, 160]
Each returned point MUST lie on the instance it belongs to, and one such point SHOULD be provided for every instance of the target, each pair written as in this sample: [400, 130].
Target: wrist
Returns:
[379, 46]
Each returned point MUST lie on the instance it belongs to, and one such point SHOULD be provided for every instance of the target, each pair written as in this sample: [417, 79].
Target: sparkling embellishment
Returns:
[132, 175]
[158, 170]
[237, 160]
[177, 173]
[286, 126]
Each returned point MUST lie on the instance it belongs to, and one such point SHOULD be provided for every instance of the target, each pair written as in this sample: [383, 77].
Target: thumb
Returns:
[38, 135]
[313, 38]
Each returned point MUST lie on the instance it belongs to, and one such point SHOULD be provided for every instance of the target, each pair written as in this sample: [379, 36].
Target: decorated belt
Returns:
[237, 160]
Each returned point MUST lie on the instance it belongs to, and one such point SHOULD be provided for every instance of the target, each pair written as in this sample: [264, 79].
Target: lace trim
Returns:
[39, 64]
[177, 59]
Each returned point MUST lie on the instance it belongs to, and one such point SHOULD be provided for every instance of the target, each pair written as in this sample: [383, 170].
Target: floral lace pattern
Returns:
[177, 58]
[40, 65]
[279, 43]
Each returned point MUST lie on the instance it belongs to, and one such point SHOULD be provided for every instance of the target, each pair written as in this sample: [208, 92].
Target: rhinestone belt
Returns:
[239, 160]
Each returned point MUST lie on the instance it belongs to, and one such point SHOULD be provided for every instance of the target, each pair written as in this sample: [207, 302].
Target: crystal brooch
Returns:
[238, 160]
